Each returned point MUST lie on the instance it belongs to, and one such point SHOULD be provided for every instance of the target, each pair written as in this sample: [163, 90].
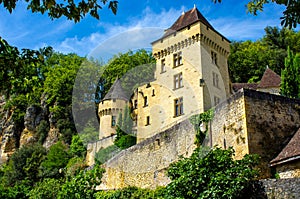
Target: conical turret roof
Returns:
[116, 92]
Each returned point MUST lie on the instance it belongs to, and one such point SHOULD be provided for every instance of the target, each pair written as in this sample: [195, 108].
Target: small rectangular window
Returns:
[214, 58]
[147, 120]
[163, 65]
[145, 101]
[177, 59]
[178, 107]
[215, 80]
[113, 120]
[178, 81]
[216, 100]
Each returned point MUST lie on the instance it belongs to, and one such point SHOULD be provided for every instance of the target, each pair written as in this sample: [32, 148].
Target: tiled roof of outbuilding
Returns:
[269, 79]
[290, 152]
[238, 86]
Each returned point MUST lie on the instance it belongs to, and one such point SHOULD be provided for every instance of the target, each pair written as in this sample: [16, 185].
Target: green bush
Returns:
[83, 185]
[75, 165]
[211, 175]
[105, 154]
[131, 193]
[24, 165]
[42, 131]
[125, 141]
[56, 159]
[47, 189]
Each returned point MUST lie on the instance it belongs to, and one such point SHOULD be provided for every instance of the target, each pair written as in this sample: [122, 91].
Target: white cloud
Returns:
[242, 29]
[136, 33]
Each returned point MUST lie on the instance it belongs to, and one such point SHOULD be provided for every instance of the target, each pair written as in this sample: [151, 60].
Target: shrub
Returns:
[47, 189]
[105, 154]
[214, 175]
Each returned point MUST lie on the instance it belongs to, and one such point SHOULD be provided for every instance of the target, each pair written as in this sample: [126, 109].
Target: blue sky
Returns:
[136, 24]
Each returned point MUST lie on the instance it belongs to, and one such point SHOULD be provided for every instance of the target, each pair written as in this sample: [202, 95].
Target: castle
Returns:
[191, 76]
[191, 60]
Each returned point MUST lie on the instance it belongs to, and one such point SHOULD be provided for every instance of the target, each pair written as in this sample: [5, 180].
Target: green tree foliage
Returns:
[211, 175]
[136, 65]
[89, 134]
[21, 72]
[21, 77]
[124, 138]
[201, 119]
[42, 131]
[57, 158]
[77, 148]
[60, 79]
[46, 189]
[72, 10]
[105, 154]
[290, 76]
[291, 14]
[82, 185]
[131, 193]
[248, 60]
[74, 166]
[24, 164]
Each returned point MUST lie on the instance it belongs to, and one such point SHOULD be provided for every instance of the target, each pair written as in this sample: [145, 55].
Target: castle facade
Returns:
[191, 76]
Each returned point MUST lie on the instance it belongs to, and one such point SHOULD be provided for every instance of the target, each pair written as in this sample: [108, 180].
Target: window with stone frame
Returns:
[215, 80]
[178, 81]
[113, 120]
[163, 66]
[177, 59]
[214, 57]
[178, 107]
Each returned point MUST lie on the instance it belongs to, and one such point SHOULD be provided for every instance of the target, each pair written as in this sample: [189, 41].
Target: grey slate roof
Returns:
[116, 92]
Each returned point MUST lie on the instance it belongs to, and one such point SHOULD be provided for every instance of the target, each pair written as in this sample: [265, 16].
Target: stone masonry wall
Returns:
[272, 120]
[289, 170]
[144, 164]
[273, 188]
[228, 127]
[93, 148]
[256, 123]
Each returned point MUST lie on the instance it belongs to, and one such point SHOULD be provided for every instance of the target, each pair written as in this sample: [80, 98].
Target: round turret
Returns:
[110, 108]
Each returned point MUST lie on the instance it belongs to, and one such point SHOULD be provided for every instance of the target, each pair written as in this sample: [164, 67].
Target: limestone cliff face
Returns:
[14, 136]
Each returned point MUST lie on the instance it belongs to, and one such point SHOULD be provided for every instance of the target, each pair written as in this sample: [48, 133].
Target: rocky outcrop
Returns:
[9, 134]
[13, 135]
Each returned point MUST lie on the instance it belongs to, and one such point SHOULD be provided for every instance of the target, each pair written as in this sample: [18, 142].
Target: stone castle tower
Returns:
[109, 109]
[191, 75]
